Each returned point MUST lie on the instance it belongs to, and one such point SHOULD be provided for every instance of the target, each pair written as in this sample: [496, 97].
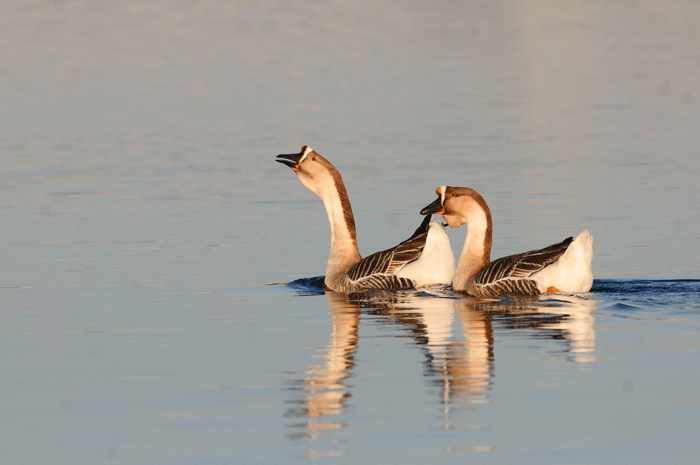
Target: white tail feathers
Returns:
[572, 272]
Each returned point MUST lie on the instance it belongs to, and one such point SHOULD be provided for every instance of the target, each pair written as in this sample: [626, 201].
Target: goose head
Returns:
[312, 169]
[458, 205]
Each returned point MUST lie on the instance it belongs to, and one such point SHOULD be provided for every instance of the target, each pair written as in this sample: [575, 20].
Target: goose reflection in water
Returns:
[456, 337]
[324, 390]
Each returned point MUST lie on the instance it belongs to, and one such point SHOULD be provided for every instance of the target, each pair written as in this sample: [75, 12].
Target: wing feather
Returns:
[384, 264]
[383, 281]
[508, 286]
[509, 272]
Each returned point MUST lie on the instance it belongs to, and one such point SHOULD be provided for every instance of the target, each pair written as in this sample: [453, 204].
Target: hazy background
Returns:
[563, 115]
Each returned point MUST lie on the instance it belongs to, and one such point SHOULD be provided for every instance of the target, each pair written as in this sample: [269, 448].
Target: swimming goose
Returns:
[424, 258]
[562, 267]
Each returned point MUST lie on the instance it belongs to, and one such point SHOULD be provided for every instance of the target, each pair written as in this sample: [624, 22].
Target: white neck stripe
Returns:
[306, 152]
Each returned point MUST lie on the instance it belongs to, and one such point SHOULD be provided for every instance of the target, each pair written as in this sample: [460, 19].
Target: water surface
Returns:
[145, 228]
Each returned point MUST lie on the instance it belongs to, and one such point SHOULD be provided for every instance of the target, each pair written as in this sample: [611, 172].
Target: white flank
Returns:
[436, 264]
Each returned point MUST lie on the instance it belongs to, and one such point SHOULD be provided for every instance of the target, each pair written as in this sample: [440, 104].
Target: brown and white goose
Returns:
[424, 258]
[562, 267]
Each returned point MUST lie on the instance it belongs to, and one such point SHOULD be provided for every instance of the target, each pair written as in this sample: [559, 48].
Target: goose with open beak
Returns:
[423, 259]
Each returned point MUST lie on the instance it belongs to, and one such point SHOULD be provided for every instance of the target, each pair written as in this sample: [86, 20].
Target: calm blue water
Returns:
[159, 299]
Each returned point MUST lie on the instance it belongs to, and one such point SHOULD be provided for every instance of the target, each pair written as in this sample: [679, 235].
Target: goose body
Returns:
[562, 267]
[424, 258]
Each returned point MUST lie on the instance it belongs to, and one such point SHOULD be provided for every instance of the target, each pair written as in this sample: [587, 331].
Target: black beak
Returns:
[291, 160]
[435, 207]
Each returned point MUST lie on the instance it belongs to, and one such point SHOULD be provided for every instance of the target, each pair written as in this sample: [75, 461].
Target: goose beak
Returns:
[291, 160]
[435, 207]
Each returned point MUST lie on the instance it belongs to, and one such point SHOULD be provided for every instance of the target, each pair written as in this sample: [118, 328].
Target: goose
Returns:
[423, 259]
[562, 267]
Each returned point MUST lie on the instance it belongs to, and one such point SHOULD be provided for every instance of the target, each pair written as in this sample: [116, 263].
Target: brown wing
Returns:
[377, 271]
[509, 274]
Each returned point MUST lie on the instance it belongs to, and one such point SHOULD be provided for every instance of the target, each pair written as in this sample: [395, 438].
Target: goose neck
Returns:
[476, 252]
[344, 251]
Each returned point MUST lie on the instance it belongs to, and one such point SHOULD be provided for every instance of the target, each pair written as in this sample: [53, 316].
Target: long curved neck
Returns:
[344, 251]
[476, 252]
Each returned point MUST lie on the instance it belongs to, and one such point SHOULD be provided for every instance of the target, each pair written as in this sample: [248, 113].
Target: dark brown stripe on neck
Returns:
[343, 194]
[488, 234]
[345, 203]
